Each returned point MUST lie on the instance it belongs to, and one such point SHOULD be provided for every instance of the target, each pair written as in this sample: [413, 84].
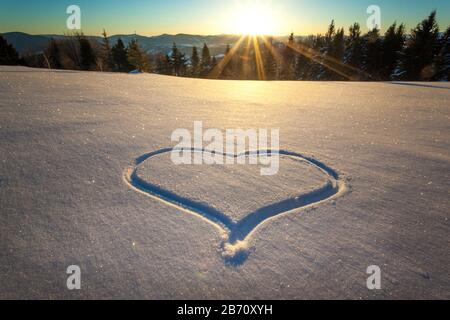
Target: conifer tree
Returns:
[229, 69]
[8, 54]
[270, 64]
[178, 61]
[393, 42]
[338, 45]
[167, 65]
[289, 56]
[330, 35]
[120, 57]
[163, 64]
[354, 47]
[372, 58]
[195, 62]
[108, 63]
[206, 60]
[315, 68]
[137, 58]
[304, 62]
[173, 60]
[420, 51]
[324, 73]
[442, 60]
[336, 52]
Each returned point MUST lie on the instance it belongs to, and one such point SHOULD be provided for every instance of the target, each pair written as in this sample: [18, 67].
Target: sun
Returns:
[253, 18]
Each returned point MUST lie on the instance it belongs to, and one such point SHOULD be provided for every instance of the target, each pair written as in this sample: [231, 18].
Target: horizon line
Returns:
[171, 34]
[149, 36]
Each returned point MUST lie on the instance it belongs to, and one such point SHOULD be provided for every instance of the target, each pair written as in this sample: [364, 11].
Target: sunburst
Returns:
[254, 18]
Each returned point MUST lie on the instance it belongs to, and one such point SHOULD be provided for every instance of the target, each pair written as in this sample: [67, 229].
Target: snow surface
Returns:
[236, 190]
[67, 137]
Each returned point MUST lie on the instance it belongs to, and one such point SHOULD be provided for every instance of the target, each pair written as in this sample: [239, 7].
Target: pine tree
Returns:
[354, 47]
[195, 62]
[316, 70]
[137, 58]
[167, 65]
[323, 72]
[206, 60]
[330, 35]
[301, 67]
[120, 57]
[163, 64]
[229, 69]
[174, 60]
[393, 42]
[332, 54]
[336, 53]
[442, 60]
[178, 61]
[303, 62]
[372, 58]
[420, 52]
[270, 64]
[87, 54]
[108, 63]
[289, 59]
[338, 46]
[8, 54]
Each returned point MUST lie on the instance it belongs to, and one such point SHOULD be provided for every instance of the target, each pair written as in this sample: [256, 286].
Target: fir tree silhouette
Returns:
[206, 60]
[178, 61]
[354, 47]
[372, 58]
[393, 42]
[418, 57]
[442, 60]
[120, 57]
[289, 56]
[137, 58]
[195, 62]
[8, 54]
[108, 62]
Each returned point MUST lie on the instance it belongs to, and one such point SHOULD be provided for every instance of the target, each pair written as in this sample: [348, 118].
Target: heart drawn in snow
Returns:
[237, 226]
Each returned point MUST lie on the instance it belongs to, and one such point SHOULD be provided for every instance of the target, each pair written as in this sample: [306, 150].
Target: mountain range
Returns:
[27, 43]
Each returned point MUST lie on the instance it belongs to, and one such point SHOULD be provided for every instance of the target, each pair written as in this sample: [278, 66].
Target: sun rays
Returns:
[252, 51]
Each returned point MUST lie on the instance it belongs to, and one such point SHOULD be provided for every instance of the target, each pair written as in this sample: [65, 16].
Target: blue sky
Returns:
[153, 17]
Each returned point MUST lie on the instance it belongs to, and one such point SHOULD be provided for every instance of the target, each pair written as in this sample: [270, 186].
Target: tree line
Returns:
[77, 52]
[424, 54]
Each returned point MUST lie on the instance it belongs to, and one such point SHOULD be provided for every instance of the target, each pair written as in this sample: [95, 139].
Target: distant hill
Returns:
[26, 43]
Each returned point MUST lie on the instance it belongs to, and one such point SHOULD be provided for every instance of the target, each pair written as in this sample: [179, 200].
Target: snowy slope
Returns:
[67, 137]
